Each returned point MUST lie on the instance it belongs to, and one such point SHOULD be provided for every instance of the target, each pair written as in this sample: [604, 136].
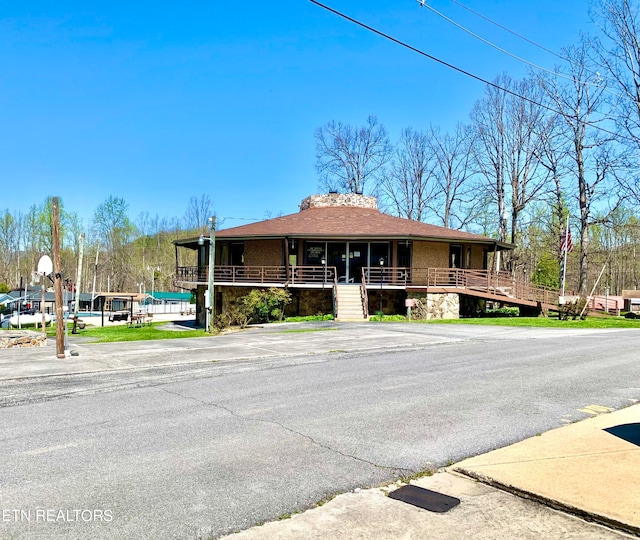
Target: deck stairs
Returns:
[350, 306]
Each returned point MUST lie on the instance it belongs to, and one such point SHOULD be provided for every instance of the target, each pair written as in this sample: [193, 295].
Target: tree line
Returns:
[534, 154]
[120, 254]
[554, 147]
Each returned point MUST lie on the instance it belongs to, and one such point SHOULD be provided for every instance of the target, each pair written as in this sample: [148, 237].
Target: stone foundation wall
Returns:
[231, 294]
[303, 301]
[391, 302]
[307, 302]
[14, 339]
[436, 306]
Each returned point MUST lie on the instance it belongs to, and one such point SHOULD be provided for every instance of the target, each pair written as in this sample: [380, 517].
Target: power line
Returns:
[596, 74]
[460, 70]
[519, 58]
[486, 41]
[509, 30]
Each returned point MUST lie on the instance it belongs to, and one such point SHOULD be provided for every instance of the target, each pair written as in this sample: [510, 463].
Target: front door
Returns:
[357, 259]
[337, 256]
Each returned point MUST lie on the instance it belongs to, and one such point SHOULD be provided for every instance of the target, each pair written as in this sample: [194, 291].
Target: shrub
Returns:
[265, 305]
[234, 315]
[502, 312]
[572, 310]
[317, 317]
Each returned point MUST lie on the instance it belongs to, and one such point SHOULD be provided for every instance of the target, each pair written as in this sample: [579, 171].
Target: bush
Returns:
[265, 305]
[381, 317]
[234, 315]
[572, 310]
[317, 317]
[502, 312]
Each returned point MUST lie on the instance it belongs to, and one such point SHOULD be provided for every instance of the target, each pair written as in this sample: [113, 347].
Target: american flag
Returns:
[567, 242]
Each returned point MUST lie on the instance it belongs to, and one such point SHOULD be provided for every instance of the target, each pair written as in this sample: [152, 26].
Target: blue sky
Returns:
[158, 102]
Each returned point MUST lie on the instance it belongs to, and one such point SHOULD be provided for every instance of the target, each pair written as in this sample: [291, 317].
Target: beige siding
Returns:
[430, 255]
[263, 253]
[476, 256]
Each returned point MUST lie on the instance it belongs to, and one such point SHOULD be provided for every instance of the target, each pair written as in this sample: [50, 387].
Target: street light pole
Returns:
[381, 267]
[211, 312]
[153, 269]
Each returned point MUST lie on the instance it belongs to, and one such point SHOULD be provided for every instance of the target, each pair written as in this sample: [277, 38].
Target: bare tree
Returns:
[619, 53]
[9, 247]
[510, 136]
[74, 231]
[113, 230]
[488, 118]
[580, 104]
[347, 157]
[553, 157]
[509, 139]
[407, 185]
[455, 202]
[198, 212]
[525, 138]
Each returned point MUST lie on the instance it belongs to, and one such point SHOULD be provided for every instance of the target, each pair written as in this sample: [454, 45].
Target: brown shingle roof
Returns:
[348, 222]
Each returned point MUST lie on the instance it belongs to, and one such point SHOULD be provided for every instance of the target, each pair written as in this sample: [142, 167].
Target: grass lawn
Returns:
[124, 333]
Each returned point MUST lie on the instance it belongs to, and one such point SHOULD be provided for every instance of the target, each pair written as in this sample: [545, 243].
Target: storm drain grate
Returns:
[425, 498]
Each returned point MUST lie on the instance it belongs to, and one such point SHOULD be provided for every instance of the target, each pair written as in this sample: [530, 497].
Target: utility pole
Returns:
[57, 281]
[212, 261]
[209, 296]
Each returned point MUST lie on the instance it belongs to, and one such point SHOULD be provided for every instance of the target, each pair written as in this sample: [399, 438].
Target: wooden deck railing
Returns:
[609, 304]
[258, 274]
[499, 284]
[482, 281]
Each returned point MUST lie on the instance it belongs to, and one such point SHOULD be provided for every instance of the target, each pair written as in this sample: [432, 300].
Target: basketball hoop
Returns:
[45, 266]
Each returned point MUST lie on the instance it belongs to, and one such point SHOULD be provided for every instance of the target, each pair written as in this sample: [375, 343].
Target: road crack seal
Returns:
[402, 471]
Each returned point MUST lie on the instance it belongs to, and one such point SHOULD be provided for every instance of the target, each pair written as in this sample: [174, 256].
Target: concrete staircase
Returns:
[350, 303]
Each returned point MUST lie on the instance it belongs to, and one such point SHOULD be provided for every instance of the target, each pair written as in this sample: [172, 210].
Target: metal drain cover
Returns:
[425, 498]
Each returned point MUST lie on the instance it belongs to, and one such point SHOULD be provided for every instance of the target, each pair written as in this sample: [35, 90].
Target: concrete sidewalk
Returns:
[590, 469]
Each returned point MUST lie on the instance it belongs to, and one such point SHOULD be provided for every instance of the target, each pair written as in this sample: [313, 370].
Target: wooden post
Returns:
[57, 281]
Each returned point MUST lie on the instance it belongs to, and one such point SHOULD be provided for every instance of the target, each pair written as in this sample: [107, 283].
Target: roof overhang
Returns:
[193, 243]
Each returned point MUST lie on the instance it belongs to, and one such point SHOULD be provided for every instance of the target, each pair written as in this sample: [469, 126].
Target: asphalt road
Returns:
[197, 451]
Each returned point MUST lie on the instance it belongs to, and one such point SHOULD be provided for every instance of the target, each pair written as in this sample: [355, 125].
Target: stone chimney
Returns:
[333, 199]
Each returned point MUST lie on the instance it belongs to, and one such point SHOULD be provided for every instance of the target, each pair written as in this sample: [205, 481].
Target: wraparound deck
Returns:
[479, 283]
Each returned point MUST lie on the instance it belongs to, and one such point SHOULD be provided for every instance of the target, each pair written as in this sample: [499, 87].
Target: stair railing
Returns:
[364, 295]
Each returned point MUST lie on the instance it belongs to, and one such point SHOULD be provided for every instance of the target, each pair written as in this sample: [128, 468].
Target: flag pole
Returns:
[564, 256]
